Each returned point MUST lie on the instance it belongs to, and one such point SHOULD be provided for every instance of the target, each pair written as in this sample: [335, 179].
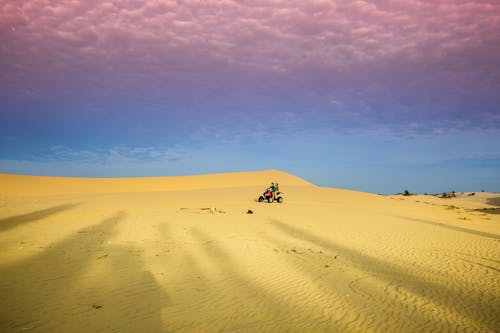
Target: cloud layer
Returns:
[365, 57]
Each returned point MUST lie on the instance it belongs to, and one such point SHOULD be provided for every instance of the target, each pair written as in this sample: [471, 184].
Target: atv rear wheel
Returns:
[280, 199]
[270, 199]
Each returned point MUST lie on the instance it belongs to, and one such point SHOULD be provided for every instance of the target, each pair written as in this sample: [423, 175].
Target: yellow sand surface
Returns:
[181, 254]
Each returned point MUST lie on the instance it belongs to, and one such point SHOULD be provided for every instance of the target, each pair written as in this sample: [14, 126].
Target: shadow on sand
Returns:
[452, 227]
[249, 306]
[81, 284]
[14, 221]
[471, 303]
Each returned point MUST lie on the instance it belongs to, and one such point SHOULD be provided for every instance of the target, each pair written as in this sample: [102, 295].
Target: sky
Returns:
[379, 96]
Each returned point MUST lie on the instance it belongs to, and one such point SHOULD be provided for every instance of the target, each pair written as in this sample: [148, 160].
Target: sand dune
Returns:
[151, 255]
[42, 185]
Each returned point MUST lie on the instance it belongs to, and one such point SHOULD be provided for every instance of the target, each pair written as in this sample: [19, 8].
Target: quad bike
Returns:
[268, 195]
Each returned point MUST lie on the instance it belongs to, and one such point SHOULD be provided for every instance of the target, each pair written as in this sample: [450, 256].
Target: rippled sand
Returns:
[181, 254]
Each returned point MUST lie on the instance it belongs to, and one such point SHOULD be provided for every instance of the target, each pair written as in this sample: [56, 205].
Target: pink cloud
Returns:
[65, 47]
[277, 27]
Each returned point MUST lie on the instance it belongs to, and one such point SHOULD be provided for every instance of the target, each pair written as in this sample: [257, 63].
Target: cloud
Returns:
[251, 34]
[400, 58]
[121, 154]
[118, 161]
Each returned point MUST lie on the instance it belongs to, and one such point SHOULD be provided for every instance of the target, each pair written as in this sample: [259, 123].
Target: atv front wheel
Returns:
[270, 199]
[261, 198]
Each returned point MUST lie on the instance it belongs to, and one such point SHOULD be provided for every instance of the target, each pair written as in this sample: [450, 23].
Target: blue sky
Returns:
[378, 96]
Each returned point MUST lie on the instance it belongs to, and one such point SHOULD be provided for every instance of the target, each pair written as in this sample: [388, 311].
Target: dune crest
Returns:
[48, 185]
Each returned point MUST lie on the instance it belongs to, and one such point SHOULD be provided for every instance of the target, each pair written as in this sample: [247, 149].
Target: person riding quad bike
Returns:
[271, 193]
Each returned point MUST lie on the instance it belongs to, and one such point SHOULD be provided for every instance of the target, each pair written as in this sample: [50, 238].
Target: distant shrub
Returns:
[407, 193]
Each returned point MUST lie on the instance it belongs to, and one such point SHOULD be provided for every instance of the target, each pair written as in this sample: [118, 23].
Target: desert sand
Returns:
[181, 254]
